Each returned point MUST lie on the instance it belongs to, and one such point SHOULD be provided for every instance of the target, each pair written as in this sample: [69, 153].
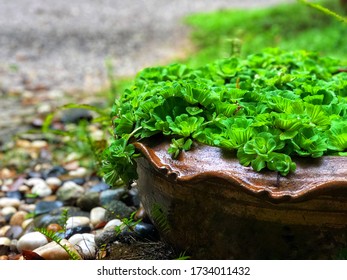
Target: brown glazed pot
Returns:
[207, 204]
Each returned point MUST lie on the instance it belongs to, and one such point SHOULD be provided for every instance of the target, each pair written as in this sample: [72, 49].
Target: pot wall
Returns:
[211, 217]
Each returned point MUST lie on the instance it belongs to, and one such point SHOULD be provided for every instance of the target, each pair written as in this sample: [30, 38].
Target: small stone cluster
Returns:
[94, 210]
[70, 200]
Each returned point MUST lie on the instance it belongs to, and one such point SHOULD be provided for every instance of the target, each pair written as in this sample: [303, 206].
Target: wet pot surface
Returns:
[207, 204]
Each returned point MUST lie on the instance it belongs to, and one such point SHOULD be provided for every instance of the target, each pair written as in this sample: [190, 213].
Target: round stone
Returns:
[27, 223]
[69, 192]
[31, 182]
[97, 215]
[79, 172]
[53, 251]
[14, 194]
[108, 196]
[42, 189]
[105, 237]
[5, 241]
[31, 241]
[84, 244]
[43, 207]
[8, 210]
[14, 232]
[113, 224]
[4, 229]
[18, 218]
[88, 201]
[6, 201]
[55, 171]
[53, 182]
[118, 209]
[54, 227]
[77, 221]
[75, 230]
[102, 186]
[146, 231]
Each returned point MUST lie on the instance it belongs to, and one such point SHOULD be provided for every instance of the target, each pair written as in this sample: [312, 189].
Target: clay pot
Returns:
[207, 204]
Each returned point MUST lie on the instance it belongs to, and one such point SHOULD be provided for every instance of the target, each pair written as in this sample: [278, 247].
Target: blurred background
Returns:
[57, 52]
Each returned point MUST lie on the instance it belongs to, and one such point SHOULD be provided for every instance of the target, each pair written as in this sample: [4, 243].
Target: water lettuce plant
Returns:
[268, 108]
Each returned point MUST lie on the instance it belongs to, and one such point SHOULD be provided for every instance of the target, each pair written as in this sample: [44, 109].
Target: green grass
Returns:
[290, 27]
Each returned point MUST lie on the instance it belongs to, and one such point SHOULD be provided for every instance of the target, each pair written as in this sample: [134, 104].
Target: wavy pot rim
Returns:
[323, 176]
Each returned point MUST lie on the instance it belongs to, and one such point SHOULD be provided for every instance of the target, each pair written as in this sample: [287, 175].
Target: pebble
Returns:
[113, 224]
[14, 232]
[97, 215]
[105, 237]
[39, 144]
[55, 171]
[4, 229]
[24, 189]
[146, 231]
[53, 251]
[14, 194]
[77, 221]
[27, 223]
[42, 190]
[18, 218]
[85, 245]
[78, 180]
[75, 115]
[69, 192]
[54, 227]
[43, 207]
[108, 196]
[53, 182]
[6, 201]
[31, 182]
[99, 187]
[75, 230]
[79, 172]
[8, 210]
[30, 208]
[88, 201]
[31, 241]
[5, 241]
[117, 209]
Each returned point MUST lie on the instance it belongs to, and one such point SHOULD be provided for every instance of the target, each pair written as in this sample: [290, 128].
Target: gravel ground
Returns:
[50, 48]
[64, 44]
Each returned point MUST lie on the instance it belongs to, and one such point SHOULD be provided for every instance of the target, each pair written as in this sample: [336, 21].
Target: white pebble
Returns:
[53, 181]
[39, 144]
[8, 210]
[24, 189]
[3, 230]
[79, 172]
[7, 201]
[77, 221]
[27, 207]
[84, 244]
[53, 251]
[97, 215]
[31, 241]
[42, 190]
[113, 223]
[27, 222]
[5, 188]
[34, 181]
[5, 241]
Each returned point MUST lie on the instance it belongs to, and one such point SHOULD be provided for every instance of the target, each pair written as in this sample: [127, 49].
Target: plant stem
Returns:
[324, 10]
